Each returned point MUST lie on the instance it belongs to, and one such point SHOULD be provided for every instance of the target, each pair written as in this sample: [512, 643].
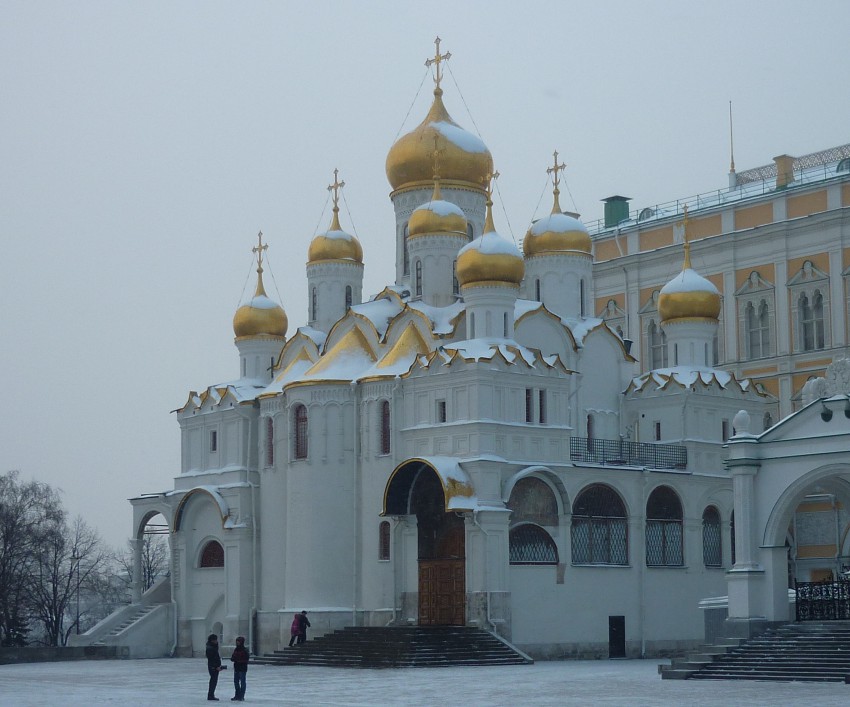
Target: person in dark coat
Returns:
[294, 629]
[303, 624]
[240, 669]
[213, 665]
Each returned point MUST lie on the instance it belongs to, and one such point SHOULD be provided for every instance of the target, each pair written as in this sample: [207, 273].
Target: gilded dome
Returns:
[260, 315]
[465, 157]
[688, 295]
[335, 244]
[556, 233]
[490, 258]
[437, 216]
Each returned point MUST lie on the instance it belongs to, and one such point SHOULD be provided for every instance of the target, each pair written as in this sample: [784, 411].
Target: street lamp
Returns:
[75, 558]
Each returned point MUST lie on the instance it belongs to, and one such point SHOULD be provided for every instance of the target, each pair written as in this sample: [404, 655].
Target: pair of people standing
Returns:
[239, 658]
[298, 629]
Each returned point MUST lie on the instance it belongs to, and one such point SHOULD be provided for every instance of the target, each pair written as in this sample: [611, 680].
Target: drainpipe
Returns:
[173, 650]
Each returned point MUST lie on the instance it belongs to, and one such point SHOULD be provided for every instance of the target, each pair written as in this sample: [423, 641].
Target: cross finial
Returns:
[436, 155]
[488, 180]
[687, 264]
[335, 187]
[553, 170]
[436, 60]
[258, 249]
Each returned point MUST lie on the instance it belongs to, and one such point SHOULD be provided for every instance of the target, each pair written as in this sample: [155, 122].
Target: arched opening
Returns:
[712, 547]
[415, 489]
[600, 534]
[212, 555]
[664, 529]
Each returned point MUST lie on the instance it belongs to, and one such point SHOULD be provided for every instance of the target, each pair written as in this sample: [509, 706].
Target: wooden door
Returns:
[442, 593]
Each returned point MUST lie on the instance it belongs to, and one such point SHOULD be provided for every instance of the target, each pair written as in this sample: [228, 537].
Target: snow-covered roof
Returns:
[561, 223]
[441, 208]
[442, 318]
[691, 377]
[491, 243]
[689, 281]
[466, 141]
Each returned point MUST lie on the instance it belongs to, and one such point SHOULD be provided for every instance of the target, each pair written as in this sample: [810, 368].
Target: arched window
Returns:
[589, 427]
[417, 289]
[758, 329]
[314, 304]
[537, 289]
[299, 431]
[581, 297]
[455, 284]
[384, 540]
[664, 529]
[767, 421]
[811, 321]
[212, 555]
[531, 545]
[385, 426]
[505, 324]
[712, 547]
[469, 233]
[269, 441]
[600, 534]
[471, 332]
[405, 234]
[347, 297]
[657, 340]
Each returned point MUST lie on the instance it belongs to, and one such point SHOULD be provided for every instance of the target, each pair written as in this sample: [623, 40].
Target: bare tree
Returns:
[28, 510]
[70, 560]
[155, 560]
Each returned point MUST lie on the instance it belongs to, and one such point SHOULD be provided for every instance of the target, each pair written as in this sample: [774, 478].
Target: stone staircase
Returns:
[808, 652]
[400, 647]
[128, 621]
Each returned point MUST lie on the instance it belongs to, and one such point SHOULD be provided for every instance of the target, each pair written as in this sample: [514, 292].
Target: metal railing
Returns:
[621, 452]
[823, 601]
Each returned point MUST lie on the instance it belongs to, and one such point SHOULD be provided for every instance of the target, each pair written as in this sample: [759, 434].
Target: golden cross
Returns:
[555, 169]
[258, 249]
[436, 60]
[687, 264]
[488, 182]
[436, 155]
[335, 187]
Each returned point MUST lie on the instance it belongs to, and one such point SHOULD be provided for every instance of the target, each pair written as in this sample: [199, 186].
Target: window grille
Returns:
[664, 529]
[385, 427]
[531, 545]
[212, 555]
[657, 346]
[300, 431]
[418, 288]
[529, 405]
[541, 405]
[348, 297]
[712, 548]
[441, 411]
[599, 528]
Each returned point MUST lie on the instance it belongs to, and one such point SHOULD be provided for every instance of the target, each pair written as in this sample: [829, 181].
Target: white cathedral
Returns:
[469, 446]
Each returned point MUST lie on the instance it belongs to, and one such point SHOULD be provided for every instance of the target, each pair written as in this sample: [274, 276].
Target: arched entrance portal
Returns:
[416, 489]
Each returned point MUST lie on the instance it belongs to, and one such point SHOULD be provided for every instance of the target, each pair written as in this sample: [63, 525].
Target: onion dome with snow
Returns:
[688, 295]
[260, 315]
[437, 216]
[465, 158]
[335, 244]
[490, 258]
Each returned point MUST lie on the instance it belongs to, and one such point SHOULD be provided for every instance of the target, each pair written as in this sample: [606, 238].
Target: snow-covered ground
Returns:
[183, 682]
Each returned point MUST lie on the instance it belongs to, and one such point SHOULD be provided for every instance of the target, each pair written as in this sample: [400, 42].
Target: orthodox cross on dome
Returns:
[258, 249]
[553, 170]
[436, 60]
[335, 187]
[488, 185]
[436, 154]
[687, 264]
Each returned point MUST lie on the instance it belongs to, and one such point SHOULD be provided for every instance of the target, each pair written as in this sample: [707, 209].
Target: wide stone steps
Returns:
[808, 652]
[129, 621]
[392, 647]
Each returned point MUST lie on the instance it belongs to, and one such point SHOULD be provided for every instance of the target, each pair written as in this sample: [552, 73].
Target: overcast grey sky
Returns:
[142, 146]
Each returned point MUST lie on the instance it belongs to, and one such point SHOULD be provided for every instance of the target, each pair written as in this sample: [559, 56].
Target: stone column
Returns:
[137, 544]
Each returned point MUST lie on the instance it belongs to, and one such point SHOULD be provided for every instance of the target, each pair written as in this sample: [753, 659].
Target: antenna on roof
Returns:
[733, 181]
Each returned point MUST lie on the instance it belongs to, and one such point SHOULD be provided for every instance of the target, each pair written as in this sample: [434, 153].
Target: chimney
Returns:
[784, 170]
[616, 210]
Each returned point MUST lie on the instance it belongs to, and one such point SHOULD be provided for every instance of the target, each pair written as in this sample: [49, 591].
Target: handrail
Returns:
[622, 452]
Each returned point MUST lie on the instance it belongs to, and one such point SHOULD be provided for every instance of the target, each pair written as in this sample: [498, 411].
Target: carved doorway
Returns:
[441, 552]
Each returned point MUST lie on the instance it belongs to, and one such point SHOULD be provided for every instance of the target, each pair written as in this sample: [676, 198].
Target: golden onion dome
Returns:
[334, 244]
[260, 315]
[465, 157]
[437, 217]
[556, 233]
[688, 295]
[490, 258]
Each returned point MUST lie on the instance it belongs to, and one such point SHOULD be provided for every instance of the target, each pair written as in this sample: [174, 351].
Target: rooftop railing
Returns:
[720, 197]
[622, 452]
